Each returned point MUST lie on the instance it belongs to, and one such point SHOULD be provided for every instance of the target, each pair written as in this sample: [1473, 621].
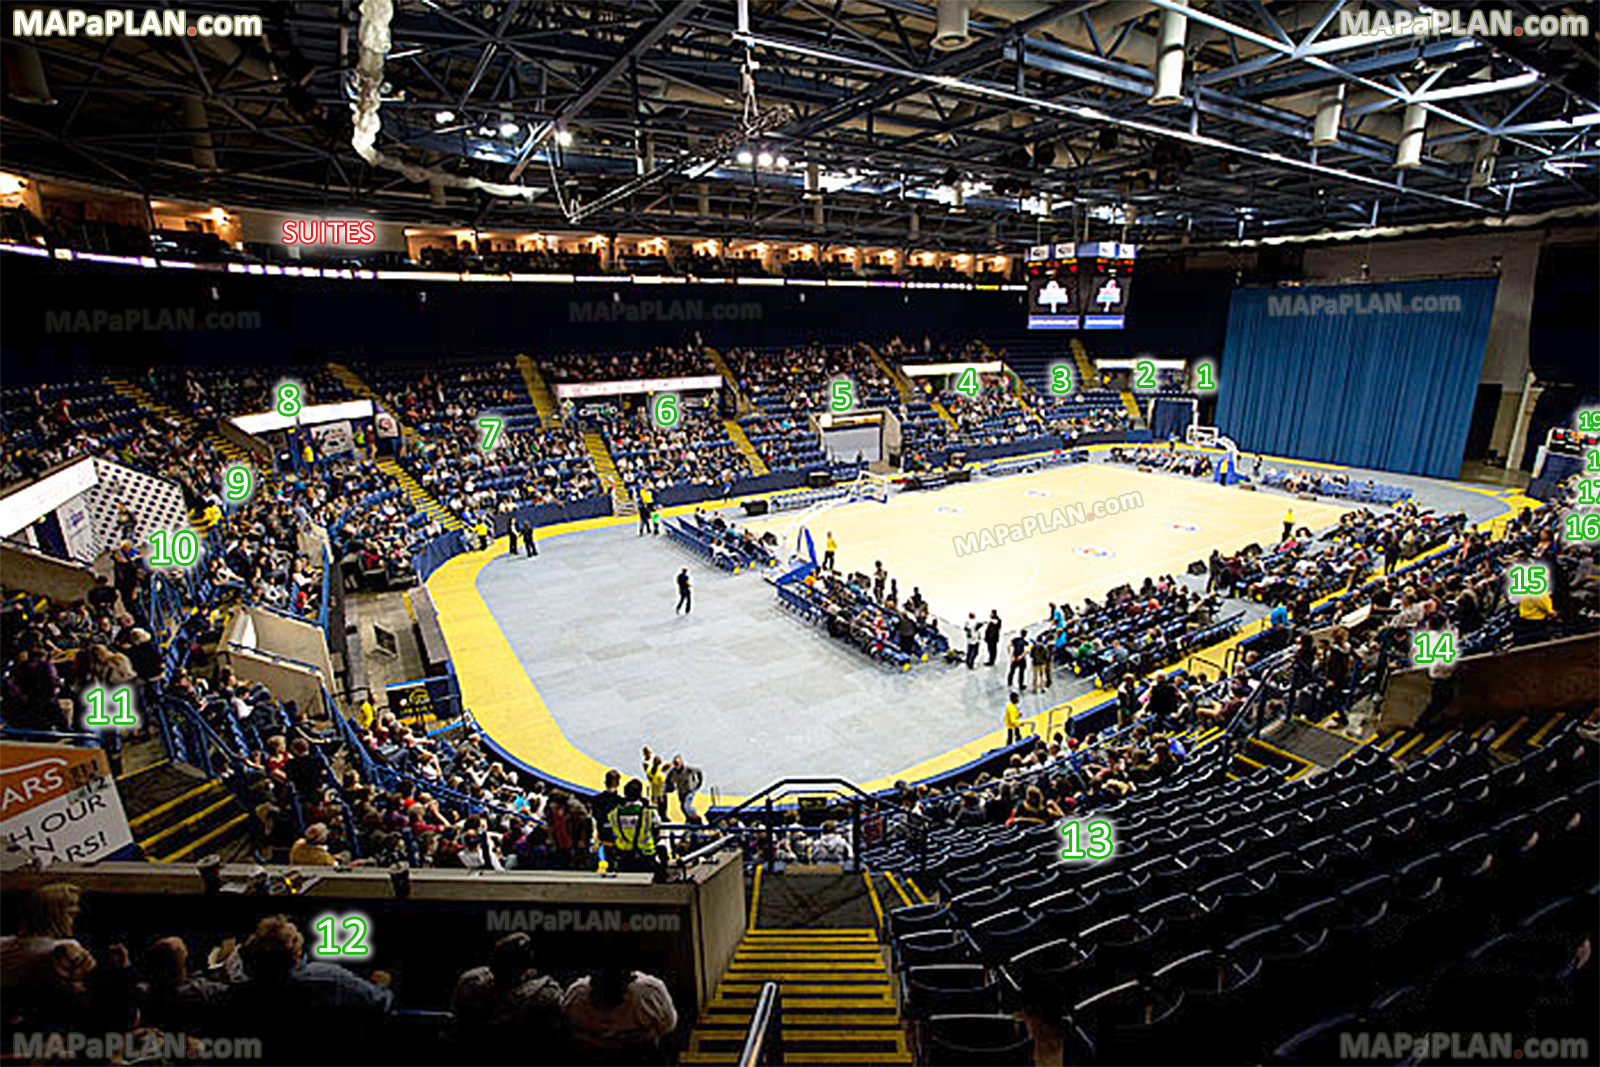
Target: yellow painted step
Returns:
[146, 843]
[194, 847]
[208, 786]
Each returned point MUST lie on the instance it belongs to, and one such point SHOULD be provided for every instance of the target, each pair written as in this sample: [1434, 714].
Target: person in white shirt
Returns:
[618, 1010]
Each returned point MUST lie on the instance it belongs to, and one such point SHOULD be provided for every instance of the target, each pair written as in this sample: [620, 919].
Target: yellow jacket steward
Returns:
[633, 827]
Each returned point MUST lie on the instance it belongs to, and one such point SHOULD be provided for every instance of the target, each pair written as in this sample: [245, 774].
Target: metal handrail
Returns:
[763, 1042]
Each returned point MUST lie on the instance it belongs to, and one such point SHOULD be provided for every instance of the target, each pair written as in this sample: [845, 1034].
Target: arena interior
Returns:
[800, 531]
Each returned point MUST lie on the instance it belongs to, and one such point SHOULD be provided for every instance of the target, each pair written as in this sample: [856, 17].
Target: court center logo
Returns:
[1043, 522]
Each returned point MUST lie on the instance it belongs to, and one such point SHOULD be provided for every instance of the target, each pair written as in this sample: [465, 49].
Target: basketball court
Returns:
[1149, 524]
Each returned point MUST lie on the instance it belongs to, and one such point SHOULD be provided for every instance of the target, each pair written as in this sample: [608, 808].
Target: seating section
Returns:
[527, 465]
[786, 386]
[51, 424]
[697, 451]
[1235, 914]
[727, 547]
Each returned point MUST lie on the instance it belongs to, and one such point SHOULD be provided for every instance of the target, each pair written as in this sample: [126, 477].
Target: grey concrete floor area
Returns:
[742, 688]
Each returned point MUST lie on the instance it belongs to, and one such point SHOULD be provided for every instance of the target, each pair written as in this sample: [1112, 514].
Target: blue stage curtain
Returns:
[1372, 384]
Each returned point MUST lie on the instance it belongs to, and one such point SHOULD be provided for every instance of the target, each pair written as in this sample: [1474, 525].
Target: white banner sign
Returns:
[579, 390]
[333, 438]
[60, 803]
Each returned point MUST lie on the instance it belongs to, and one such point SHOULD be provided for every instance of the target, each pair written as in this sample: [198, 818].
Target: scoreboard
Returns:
[1083, 286]
[1053, 288]
[1106, 273]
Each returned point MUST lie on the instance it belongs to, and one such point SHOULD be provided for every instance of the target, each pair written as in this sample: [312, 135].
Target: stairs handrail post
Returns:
[855, 831]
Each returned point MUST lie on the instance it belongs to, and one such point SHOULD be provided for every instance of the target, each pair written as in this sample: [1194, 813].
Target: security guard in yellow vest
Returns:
[633, 826]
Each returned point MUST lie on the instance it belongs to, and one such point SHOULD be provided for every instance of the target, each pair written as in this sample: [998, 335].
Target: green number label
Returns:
[1205, 378]
[1583, 528]
[967, 384]
[665, 410]
[1592, 461]
[289, 403]
[490, 425]
[1060, 379]
[238, 482]
[1433, 647]
[1589, 420]
[1088, 839]
[355, 945]
[1529, 579]
[174, 548]
[1147, 375]
[121, 701]
[841, 395]
[1589, 490]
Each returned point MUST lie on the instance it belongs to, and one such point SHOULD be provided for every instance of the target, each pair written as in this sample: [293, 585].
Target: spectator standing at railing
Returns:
[972, 630]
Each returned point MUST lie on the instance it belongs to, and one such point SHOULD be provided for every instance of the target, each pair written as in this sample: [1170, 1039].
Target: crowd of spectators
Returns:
[868, 611]
[683, 361]
[270, 989]
[527, 465]
[1174, 461]
[695, 451]
[787, 386]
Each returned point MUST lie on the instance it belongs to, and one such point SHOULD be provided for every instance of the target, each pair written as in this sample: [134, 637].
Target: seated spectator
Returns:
[507, 1012]
[617, 1013]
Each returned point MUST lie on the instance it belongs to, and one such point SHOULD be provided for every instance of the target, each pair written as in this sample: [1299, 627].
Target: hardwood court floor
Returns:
[1179, 520]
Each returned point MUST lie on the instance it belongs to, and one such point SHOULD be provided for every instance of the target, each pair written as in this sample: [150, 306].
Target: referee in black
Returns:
[685, 604]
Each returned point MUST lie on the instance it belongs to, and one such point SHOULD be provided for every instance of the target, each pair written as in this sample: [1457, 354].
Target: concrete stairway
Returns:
[234, 453]
[419, 496]
[741, 402]
[176, 814]
[895, 374]
[622, 502]
[353, 382]
[758, 466]
[544, 402]
[1088, 377]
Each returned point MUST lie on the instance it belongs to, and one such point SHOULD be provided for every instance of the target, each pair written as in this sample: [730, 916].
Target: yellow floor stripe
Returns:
[1522, 720]
[755, 898]
[1409, 745]
[1447, 735]
[877, 908]
[1538, 738]
[902, 893]
[921, 896]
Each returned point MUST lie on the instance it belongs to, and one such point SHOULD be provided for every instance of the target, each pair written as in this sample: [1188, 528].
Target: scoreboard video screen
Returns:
[1085, 286]
[1053, 288]
[1105, 271]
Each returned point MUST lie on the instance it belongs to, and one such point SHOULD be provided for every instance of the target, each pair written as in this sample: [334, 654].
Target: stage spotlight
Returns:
[563, 138]
[444, 118]
[764, 159]
[744, 158]
[508, 129]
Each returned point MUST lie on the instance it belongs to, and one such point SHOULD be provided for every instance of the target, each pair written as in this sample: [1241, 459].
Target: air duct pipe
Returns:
[1330, 114]
[1413, 129]
[1169, 58]
[951, 33]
